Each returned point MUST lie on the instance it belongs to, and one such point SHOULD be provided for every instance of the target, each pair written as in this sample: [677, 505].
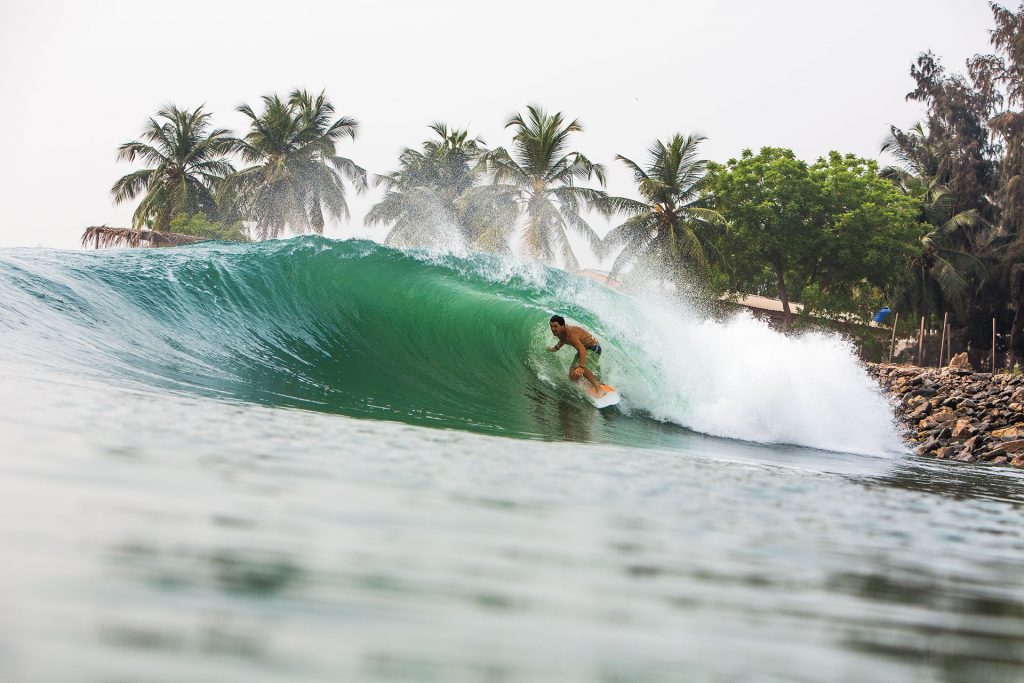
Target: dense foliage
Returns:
[965, 161]
[833, 234]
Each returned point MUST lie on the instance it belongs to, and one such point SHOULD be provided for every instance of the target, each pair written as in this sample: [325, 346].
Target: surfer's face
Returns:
[556, 329]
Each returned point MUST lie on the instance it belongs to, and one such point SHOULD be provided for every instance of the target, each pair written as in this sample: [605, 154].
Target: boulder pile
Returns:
[957, 414]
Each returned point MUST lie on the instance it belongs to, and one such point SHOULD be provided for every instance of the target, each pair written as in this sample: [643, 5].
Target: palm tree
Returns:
[543, 177]
[296, 173]
[185, 166]
[947, 266]
[671, 226]
[943, 272]
[437, 190]
[917, 154]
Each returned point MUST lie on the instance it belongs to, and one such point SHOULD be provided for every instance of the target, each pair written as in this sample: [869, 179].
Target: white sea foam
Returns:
[739, 378]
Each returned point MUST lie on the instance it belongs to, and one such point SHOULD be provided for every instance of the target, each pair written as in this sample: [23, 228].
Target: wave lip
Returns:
[356, 328]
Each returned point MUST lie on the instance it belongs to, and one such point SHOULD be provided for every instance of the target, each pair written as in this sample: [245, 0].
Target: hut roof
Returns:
[103, 236]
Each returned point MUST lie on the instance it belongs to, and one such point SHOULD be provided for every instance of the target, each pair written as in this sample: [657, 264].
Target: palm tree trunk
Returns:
[1011, 351]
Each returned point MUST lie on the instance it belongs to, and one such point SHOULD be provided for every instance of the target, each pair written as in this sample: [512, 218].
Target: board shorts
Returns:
[593, 359]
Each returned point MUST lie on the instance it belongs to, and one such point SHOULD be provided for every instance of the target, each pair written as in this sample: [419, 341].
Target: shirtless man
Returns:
[587, 348]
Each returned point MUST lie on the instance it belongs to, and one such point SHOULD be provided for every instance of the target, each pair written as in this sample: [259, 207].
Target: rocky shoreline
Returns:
[958, 414]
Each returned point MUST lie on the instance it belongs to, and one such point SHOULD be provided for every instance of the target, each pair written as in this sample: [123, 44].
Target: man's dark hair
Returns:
[557, 319]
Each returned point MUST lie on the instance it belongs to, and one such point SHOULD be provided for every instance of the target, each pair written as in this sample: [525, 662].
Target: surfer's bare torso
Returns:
[576, 337]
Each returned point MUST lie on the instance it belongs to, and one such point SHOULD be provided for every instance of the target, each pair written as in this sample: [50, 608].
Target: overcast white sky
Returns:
[79, 78]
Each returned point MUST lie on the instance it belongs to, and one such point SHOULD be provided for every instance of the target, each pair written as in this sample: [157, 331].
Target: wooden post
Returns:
[892, 343]
[993, 346]
[942, 342]
[949, 344]
[920, 345]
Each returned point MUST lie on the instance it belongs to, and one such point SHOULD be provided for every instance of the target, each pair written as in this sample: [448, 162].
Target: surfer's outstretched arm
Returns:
[557, 346]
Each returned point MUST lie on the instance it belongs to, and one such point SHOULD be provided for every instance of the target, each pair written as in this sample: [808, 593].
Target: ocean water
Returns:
[315, 460]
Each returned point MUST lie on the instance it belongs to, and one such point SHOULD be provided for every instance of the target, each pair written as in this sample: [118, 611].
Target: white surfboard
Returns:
[609, 398]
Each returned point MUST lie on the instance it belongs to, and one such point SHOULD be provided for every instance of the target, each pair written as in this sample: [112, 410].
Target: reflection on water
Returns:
[956, 481]
[257, 573]
[982, 642]
[574, 423]
[196, 540]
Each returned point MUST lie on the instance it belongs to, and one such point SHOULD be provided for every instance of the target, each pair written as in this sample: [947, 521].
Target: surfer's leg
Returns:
[593, 381]
[587, 375]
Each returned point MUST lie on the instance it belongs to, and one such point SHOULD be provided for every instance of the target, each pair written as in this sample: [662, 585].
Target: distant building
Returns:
[763, 307]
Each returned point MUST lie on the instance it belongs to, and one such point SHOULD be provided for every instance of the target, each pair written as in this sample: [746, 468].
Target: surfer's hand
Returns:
[577, 373]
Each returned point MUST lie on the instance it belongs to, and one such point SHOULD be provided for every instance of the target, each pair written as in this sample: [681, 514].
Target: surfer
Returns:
[587, 348]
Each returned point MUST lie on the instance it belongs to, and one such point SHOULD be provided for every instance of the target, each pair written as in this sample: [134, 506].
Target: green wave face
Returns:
[454, 341]
[346, 327]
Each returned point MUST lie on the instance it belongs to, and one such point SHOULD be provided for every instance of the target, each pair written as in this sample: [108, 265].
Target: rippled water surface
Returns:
[164, 538]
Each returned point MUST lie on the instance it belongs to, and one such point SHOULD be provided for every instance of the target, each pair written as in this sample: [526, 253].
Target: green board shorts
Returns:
[593, 359]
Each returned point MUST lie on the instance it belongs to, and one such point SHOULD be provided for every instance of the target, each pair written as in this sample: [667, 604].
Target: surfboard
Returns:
[610, 397]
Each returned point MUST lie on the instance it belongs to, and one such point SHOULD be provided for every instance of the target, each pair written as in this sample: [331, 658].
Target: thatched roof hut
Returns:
[102, 237]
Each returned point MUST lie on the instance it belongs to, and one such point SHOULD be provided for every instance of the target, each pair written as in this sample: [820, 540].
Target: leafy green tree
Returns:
[773, 206]
[834, 234]
[439, 190]
[671, 226]
[296, 174]
[870, 230]
[543, 175]
[198, 225]
[185, 164]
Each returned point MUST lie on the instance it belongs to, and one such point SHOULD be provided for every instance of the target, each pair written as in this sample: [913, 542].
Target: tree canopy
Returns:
[296, 174]
[543, 174]
[185, 165]
[671, 226]
[834, 234]
[440, 196]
